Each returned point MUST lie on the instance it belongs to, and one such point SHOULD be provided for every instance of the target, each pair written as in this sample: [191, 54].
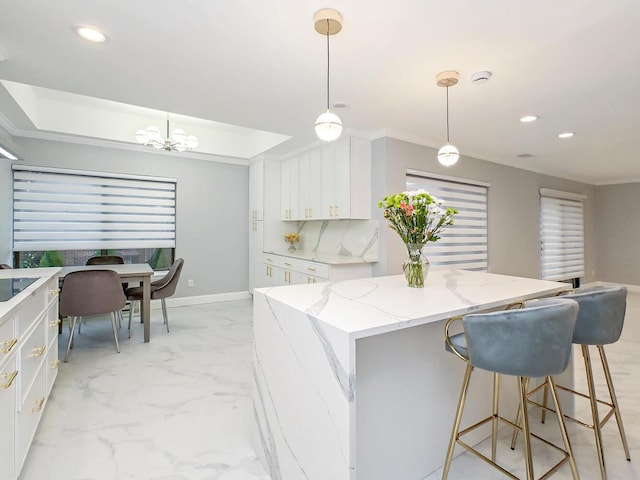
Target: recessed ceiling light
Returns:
[566, 135]
[529, 118]
[90, 33]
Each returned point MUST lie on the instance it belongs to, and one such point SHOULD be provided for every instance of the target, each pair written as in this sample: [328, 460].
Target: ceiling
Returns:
[262, 66]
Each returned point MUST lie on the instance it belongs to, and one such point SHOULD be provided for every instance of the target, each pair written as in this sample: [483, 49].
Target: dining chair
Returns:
[89, 293]
[106, 260]
[160, 290]
[4, 266]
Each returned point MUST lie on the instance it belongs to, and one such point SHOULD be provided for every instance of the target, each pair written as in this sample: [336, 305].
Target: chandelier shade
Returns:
[179, 140]
[328, 125]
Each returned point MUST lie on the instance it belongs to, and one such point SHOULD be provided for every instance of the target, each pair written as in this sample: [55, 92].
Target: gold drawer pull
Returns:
[311, 269]
[55, 292]
[268, 260]
[55, 364]
[38, 406]
[8, 345]
[38, 352]
[55, 323]
[287, 264]
[9, 377]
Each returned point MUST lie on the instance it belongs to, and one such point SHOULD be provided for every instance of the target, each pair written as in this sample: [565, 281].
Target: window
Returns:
[561, 235]
[464, 244]
[67, 216]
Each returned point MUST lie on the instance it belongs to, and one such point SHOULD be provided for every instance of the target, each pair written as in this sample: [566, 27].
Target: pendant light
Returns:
[328, 21]
[447, 155]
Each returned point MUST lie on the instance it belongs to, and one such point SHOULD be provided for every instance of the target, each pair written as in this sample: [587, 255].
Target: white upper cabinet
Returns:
[346, 179]
[256, 190]
[328, 183]
[310, 185]
[290, 189]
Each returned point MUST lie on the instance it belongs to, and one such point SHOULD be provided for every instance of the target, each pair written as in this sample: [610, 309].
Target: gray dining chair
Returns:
[89, 293]
[4, 266]
[106, 260]
[160, 290]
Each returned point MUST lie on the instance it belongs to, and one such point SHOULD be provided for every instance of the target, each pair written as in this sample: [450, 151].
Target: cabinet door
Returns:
[328, 158]
[8, 394]
[256, 228]
[256, 191]
[290, 186]
[310, 184]
[342, 179]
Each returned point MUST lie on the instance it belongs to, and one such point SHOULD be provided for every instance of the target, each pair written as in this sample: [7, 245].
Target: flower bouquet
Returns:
[291, 238]
[418, 218]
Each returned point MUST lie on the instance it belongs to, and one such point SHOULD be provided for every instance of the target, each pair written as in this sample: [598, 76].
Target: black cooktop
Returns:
[10, 287]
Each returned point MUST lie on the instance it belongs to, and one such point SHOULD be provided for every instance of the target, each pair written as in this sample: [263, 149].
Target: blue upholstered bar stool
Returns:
[534, 341]
[599, 323]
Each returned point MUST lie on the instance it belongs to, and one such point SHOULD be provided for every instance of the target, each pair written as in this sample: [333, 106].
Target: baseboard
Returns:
[630, 288]
[202, 299]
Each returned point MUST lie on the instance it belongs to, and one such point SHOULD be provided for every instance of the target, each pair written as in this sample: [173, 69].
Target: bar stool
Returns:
[534, 341]
[599, 323]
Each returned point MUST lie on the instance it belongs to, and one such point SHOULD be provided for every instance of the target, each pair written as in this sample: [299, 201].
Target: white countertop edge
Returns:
[44, 275]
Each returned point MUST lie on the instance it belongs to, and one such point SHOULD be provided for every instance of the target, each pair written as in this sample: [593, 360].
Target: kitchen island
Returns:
[351, 379]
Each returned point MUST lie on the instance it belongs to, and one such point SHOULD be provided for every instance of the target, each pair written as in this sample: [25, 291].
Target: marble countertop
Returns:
[43, 274]
[329, 258]
[370, 306]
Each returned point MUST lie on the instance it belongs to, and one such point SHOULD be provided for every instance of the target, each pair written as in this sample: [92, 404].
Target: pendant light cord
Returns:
[447, 114]
[328, 64]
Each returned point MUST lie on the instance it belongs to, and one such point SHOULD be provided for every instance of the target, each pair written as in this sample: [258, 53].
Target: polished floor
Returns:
[179, 408]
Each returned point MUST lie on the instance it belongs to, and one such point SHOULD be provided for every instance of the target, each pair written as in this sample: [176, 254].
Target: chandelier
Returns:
[179, 140]
[328, 125]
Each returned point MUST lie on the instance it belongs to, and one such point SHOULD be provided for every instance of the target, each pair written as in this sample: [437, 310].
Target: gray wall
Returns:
[514, 205]
[212, 206]
[618, 233]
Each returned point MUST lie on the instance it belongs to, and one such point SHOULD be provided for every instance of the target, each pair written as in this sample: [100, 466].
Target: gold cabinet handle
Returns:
[38, 352]
[38, 405]
[8, 345]
[55, 364]
[336, 211]
[287, 264]
[54, 292]
[331, 210]
[311, 269]
[9, 378]
[55, 323]
[311, 213]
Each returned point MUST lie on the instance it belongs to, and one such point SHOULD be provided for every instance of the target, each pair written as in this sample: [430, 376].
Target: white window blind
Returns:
[462, 245]
[561, 235]
[59, 209]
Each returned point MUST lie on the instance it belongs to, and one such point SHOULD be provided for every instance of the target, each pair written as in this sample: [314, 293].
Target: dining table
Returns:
[128, 272]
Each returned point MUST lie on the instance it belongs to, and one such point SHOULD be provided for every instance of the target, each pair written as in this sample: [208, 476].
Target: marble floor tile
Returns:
[179, 408]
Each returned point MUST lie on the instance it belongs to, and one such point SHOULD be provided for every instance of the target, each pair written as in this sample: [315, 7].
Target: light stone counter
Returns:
[329, 258]
[351, 380]
[43, 275]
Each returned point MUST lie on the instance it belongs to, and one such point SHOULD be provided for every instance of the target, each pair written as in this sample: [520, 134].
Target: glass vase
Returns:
[416, 267]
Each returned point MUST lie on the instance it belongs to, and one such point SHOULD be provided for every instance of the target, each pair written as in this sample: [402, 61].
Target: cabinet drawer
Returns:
[52, 323]
[305, 266]
[32, 354]
[29, 416]
[8, 337]
[31, 309]
[273, 260]
[51, 365]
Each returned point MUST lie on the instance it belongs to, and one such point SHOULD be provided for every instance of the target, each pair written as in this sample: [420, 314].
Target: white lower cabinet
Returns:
[281, 270]
[28, 367]
[8, 395]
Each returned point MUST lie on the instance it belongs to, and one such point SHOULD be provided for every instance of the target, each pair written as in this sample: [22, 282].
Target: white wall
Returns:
[212, 206]
[514, 204]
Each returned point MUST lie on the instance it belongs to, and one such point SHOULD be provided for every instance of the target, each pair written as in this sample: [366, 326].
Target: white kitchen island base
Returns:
[351, 379]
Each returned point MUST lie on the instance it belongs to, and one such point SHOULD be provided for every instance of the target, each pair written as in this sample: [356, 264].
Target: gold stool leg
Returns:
[563, 428]
[594, 410]
[543, 415]
[494, 420]
[528, 461]
[458, 419]
[514, 438]
[614, 400]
